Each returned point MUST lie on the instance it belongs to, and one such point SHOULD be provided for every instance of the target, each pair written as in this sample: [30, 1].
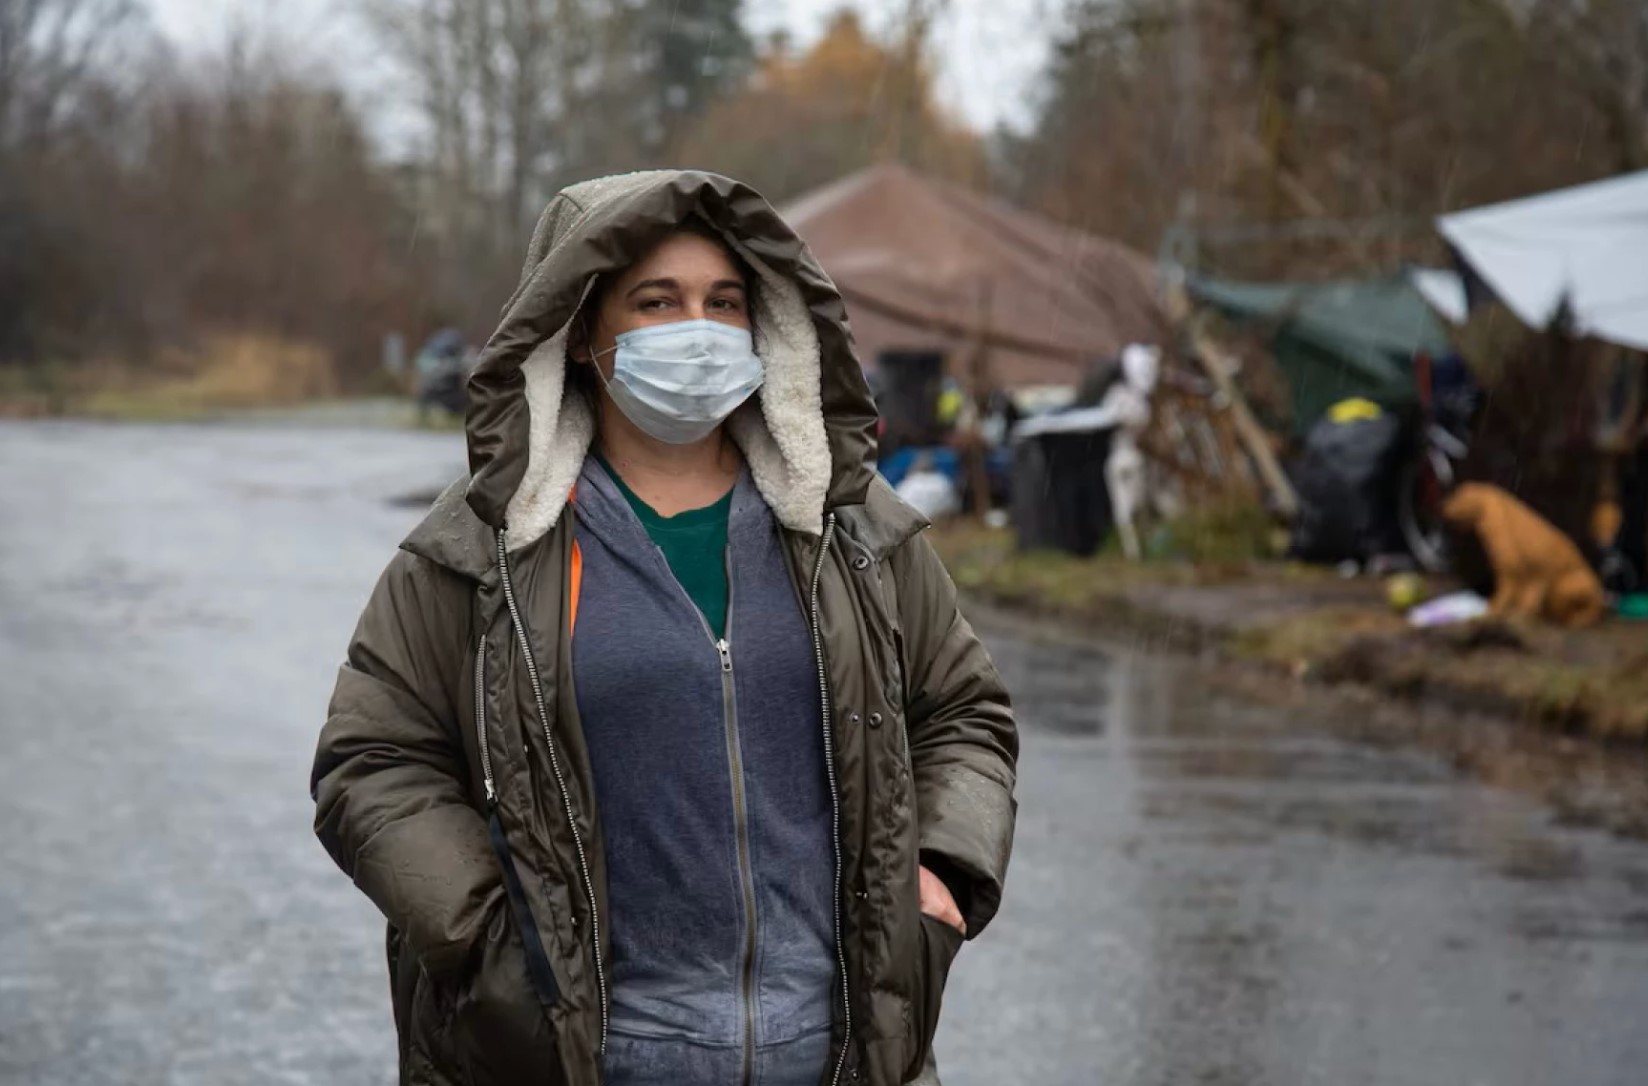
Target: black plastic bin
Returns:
[1060, 501]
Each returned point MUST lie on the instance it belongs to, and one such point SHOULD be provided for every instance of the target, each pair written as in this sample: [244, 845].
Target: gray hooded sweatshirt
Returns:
[709, 772]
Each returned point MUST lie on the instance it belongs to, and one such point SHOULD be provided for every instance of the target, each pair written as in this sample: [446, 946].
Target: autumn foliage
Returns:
[850, 101]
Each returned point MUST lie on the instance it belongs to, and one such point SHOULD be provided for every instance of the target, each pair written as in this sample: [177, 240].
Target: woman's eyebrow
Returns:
[673, 284]
[646, 284]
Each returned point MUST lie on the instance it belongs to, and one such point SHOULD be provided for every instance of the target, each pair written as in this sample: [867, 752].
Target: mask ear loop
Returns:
[583, 325]
[594, 364]
[595, 356]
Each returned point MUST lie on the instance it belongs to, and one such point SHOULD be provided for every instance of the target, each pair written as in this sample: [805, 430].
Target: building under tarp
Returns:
[1334, 340]
[929, 266]
[1586, 246]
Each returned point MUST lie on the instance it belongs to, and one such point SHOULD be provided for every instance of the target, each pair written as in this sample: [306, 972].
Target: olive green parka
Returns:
[452, 783]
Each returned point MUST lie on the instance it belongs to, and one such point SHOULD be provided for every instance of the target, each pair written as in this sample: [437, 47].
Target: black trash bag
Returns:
[1059, 498]
[1347, 484]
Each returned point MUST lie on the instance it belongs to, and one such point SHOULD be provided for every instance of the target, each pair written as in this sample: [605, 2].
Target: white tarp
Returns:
[1083, 420]
[1444, 291]
[1587, 244]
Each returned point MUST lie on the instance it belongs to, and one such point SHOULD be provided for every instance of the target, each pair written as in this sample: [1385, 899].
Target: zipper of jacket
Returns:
[746, 868]
[560, 780]
[835, 796]
[480, 720]
[741, 817]
[740, 802]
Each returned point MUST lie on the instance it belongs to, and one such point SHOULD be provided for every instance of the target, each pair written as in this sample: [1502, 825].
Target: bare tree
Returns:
[1320, 135]
[1602, 46]
[52, 54]
[519, 97]
[494, 81]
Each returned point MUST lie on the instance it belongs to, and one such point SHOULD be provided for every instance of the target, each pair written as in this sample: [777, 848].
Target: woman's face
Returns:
[684, 277]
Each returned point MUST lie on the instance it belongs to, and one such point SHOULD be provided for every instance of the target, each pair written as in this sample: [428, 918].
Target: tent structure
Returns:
[929, 266]
[1335, 340]
[1587, 246]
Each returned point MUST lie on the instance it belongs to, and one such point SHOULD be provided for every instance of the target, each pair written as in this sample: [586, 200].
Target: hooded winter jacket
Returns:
[453, 782]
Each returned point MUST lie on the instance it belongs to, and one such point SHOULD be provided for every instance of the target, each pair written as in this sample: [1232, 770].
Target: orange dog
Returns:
[1538, 572]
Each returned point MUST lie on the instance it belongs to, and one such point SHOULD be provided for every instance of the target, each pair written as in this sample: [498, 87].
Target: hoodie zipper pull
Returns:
[725, 650]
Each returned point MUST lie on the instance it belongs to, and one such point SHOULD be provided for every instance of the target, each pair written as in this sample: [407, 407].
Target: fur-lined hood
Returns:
[808, 436]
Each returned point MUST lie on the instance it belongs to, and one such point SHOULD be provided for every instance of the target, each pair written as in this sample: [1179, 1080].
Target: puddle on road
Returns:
[1276, 898]
[1203, 767]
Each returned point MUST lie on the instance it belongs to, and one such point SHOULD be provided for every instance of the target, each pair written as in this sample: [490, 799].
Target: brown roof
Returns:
[926, 264]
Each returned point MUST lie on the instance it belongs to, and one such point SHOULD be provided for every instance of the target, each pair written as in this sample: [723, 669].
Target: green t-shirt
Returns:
[694, 543]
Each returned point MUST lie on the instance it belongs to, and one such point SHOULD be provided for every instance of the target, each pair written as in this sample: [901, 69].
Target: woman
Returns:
[661, 744]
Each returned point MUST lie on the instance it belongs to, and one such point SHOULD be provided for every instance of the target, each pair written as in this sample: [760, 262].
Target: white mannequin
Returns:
[1128, 402]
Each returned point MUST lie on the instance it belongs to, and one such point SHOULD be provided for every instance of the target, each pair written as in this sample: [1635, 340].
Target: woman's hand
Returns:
[937, 902]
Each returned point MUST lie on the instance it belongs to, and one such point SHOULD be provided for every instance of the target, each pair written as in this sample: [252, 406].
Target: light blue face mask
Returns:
[681, 380]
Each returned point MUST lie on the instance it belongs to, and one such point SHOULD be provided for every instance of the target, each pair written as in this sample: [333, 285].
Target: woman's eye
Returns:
[654, 304]
[726, 305]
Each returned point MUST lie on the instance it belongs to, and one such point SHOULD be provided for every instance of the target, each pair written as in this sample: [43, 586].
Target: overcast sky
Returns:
[990, 50]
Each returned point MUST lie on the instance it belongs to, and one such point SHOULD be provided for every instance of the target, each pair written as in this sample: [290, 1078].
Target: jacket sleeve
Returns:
[388, 782]
[963, 741]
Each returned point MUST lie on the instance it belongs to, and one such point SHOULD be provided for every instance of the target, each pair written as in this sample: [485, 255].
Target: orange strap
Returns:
[577, 587]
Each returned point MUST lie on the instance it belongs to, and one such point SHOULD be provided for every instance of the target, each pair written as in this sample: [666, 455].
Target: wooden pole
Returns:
[978, 378]
[1257, 442]
[1217, 362]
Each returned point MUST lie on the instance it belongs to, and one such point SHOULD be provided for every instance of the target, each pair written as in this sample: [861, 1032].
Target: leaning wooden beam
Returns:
[1215, 361]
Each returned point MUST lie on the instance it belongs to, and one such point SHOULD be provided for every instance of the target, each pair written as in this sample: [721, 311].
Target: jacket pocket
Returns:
[532, 945]
[501, 1027]
[501, 1032]
[426, 1058]
[939, 944]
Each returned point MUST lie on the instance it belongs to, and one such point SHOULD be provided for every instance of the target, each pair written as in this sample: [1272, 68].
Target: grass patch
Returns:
[33, 391]
[1309, 623]
[223, 372]
[441, 422]
[1311, 638]
[1217, 546]
[1486, 667]
[1610, 703]
[1223, 533]
[986, 561]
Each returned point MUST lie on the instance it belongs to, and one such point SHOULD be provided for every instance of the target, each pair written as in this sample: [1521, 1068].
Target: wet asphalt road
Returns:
[1203, 892]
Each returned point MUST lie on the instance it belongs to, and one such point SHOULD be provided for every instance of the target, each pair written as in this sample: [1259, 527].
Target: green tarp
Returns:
[1334, 340]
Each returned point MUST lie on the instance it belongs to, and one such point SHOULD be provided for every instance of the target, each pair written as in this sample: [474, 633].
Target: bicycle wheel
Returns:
[1426, 480]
